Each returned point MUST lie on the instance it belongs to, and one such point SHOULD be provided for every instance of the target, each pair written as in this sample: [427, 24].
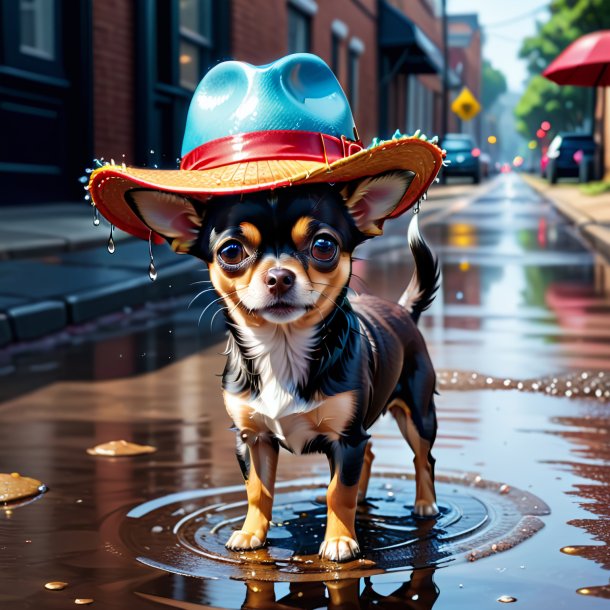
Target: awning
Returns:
[399, 36]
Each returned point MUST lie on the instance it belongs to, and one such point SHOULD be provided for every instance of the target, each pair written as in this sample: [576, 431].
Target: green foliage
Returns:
[494, 85]
[564, 107]
[595, 188]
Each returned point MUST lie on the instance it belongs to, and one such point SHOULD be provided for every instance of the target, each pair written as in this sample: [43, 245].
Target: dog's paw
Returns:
[425, 510]
[241, 540]
[341, 548]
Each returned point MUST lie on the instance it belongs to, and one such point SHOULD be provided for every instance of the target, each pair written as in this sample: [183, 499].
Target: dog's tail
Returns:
[425, 280]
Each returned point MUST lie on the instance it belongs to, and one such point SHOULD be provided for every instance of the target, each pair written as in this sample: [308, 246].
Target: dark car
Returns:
[464, 156]
[566, 153]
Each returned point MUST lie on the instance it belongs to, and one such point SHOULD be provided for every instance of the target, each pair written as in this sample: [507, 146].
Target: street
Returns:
[520, 337]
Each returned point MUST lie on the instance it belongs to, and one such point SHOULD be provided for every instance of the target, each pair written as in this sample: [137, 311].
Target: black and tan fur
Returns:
[308, 368]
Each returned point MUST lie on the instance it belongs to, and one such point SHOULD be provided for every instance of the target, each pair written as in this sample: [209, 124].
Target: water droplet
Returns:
[96, 218]
[111, 245]
[152, 152]
[461, 586]
[152, 272]
[504, 489]
[507, 599]
[156, 529]
[56, 585]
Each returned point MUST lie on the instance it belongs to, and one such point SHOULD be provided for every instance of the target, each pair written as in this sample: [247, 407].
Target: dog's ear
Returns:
[371, 200]
[172, 216]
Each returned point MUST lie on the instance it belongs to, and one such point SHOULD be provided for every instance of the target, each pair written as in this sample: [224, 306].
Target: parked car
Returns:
[464, 156]
[567, 153]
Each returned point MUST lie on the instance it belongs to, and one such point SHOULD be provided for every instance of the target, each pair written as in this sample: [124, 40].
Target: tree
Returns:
[494, 85]
[564, 107]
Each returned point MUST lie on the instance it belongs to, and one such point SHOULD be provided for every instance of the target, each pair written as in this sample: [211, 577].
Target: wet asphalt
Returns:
[522, 468]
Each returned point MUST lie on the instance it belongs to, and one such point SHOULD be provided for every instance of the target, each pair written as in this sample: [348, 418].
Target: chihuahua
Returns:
[308, 368]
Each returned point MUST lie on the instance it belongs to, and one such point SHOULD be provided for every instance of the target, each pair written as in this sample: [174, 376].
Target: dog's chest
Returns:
[330, 418]
[280, 357]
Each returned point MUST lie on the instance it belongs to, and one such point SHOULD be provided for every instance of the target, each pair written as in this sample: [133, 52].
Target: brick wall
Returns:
[260, 35]
[113, 72]
[259, 30]
[360, 19]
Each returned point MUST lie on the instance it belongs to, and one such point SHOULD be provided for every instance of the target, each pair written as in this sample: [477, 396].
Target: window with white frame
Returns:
[299, 30]
[338, 32]
[195, 40]
[356, 48]
[37, 28]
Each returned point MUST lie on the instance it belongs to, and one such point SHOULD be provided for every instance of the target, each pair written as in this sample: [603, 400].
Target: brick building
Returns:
[113, 78]
[465, 41]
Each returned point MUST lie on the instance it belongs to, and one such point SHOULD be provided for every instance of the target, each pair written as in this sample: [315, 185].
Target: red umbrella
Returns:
[586, 62]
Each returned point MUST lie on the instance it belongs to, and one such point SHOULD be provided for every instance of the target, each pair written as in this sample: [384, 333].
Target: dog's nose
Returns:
[279, 280]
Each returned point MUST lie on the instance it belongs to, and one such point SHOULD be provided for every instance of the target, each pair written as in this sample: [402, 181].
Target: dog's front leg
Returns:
[346, 461]
[257, 455]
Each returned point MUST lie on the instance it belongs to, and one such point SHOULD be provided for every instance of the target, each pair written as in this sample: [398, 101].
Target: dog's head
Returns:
[276, 256]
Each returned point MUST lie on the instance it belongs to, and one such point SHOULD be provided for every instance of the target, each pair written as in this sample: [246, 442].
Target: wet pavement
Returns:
[520, 335]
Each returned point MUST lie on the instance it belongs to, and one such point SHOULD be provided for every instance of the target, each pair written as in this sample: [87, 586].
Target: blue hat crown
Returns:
[296, 93]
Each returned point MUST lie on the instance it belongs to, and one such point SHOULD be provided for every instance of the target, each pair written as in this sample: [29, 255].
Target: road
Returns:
[520, 336]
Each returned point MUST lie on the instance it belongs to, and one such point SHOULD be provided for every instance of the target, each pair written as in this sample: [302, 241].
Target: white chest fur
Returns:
[281, 356]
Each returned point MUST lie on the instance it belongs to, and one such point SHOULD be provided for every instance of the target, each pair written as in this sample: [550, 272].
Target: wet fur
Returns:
[319, 383]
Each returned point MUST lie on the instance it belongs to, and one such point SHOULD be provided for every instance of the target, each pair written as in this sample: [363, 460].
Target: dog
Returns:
[309, 368]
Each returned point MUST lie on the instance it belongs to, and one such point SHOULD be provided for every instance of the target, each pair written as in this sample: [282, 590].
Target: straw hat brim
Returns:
[109, 183]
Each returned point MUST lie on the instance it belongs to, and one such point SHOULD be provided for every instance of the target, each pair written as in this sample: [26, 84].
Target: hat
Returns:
[253, 128]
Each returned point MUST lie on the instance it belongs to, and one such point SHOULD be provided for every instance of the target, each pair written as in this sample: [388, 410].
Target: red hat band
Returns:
[266, 145]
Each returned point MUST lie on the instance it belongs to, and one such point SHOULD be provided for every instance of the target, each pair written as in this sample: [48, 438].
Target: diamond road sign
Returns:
[465, 105]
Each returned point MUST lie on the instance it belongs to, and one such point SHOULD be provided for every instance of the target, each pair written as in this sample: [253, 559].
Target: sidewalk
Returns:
[591, 214]
[56, 271]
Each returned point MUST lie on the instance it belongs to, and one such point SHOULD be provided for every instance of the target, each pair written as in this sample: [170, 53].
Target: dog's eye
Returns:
[324, 248]
[232, 253]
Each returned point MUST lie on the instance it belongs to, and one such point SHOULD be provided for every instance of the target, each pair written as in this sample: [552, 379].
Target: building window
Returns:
[335, 49]
[195, 41]
[37, 28]
[177, 42]
[339, 32]
[299, 30]
[356, 48]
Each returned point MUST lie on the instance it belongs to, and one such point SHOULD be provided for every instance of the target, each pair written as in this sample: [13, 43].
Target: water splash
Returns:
[593, 385]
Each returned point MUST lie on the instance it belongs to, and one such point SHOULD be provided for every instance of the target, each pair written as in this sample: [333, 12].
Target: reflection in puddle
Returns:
[586, 384]
[418, 593]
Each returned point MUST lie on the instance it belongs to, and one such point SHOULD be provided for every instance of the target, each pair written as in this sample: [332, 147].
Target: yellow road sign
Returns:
[465, 105]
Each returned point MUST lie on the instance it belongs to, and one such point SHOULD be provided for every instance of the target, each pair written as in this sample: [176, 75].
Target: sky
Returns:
[516, 20]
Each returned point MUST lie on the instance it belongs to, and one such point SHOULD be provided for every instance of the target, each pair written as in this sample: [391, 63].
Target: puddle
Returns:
[185, 532]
